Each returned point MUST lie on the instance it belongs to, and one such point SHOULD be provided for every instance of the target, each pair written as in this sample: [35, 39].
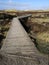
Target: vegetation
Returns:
[43, 42]
[40, 20]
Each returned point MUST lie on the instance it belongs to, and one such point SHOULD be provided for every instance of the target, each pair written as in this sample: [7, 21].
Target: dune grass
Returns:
[40, 20]
[43, 42]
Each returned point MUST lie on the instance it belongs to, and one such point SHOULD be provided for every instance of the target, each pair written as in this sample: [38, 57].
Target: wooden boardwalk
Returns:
[18, 43]
[17, 40]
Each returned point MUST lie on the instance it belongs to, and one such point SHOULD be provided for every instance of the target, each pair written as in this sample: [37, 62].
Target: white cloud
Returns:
[16, 5]
[10, 1]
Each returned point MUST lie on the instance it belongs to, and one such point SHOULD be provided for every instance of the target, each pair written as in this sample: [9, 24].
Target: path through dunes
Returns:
[17, 40]
[19, 47]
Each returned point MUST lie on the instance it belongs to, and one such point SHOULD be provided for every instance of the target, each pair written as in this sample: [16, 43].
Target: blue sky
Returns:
[24, 4]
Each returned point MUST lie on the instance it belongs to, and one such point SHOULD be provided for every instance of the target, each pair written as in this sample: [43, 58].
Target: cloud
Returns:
[14, 4]
[10, 1]
[17, 5]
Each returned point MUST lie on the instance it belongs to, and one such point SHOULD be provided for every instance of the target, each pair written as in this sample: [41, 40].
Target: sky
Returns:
[24, 4]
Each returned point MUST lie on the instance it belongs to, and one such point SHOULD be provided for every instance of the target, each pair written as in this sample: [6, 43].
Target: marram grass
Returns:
[43, 42]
